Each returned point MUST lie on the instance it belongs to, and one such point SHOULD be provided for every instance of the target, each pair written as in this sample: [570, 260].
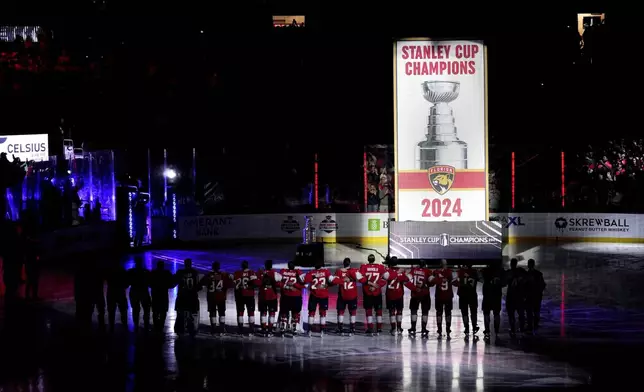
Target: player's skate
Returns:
[486, 336]
[393, 332]
[440, 334]
[292, 332]
[339, 331]
[411, 332]
[378, 331]
[223, 331]
[424, 334]
[352, 331]
[400, 331]
[448, 337]
[369, 332]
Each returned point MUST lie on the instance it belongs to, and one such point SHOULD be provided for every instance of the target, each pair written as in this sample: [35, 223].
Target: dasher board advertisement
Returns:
[440, 130]
[25, 147]
[478, 240]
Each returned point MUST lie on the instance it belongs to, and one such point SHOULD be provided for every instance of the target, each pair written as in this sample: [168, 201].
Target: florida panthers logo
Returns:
[441, 178]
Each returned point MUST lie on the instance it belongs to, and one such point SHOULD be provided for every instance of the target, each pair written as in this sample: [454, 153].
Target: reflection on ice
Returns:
[604, 248]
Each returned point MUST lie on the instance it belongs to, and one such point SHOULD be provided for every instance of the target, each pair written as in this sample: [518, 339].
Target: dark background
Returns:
[261, 101]
[331, 82]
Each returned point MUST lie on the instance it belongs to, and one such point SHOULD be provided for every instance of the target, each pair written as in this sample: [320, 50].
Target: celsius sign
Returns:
[25, 147]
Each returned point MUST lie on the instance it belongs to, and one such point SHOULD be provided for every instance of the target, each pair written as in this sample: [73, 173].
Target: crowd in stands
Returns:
[606, 176]
[380, 178]
[609, 176]
[35, 54]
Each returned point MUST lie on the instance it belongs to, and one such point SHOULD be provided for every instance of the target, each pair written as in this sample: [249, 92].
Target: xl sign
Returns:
[508, 221]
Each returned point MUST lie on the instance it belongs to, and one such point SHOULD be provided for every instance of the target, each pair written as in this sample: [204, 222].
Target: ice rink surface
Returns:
[591, 287]
[592, 315]
[595, 289]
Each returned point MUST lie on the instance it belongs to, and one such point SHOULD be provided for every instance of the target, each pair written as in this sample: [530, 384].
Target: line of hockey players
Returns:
[524, 292]
[523, 296]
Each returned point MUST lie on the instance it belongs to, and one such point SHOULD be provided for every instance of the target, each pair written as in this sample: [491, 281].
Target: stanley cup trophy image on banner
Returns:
[440, 131]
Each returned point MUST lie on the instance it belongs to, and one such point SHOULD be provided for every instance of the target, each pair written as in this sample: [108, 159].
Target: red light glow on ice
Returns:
[563, 179]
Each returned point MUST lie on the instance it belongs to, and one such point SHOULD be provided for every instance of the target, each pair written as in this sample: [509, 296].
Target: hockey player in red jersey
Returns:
[245, 280]
[420, 280]
[291, 299]
[376, 276]
[318, 280]
[267, 281]
[347, 280]
[394, 294]
[444, 296]
[217, 284]
[467, 278]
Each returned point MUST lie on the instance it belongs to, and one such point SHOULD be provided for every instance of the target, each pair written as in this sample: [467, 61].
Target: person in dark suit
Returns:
[116, 297]
[88, 292]
[161, 280]
[139, 281]
[535, 284]
[515, 296]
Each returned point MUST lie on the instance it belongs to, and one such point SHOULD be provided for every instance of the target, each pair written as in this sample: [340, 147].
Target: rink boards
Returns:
[540, 227]
[372, 228]
[368, 228]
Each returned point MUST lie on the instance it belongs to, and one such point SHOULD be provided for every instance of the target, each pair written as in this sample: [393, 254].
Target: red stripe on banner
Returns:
[420, 180]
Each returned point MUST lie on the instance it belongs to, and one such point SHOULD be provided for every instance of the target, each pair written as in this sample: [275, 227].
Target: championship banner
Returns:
[440, 131]
[478, 240]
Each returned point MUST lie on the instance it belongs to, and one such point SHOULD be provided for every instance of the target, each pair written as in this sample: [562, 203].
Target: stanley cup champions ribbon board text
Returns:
[440, 127]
